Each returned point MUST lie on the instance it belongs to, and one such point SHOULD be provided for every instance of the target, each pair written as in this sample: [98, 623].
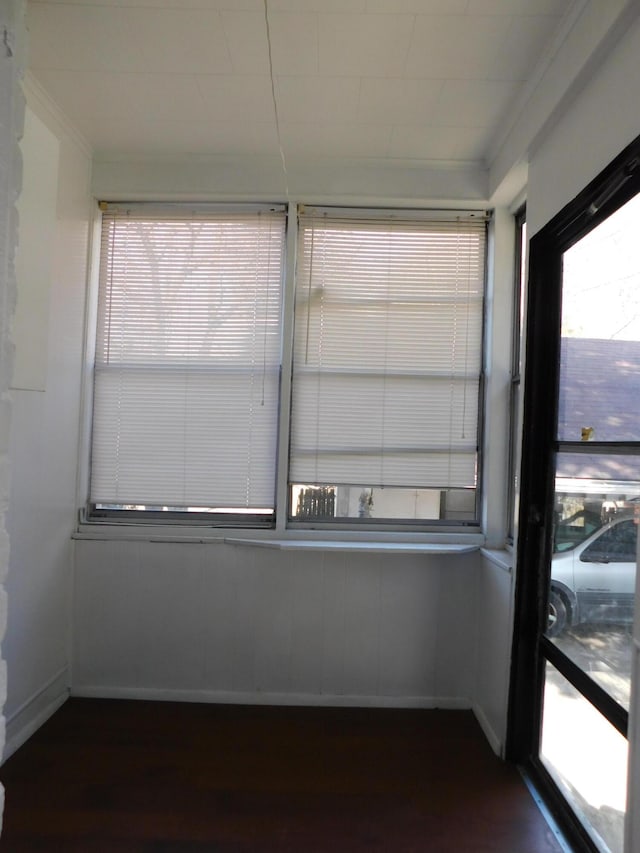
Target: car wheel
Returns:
[557, 618]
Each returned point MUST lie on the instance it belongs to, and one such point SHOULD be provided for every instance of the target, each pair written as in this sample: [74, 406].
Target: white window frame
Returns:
[187, 518]
[392, 216]
[427, 534]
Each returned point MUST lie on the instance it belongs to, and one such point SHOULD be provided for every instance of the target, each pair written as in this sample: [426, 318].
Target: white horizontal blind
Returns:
[187, 359]
[387, 352]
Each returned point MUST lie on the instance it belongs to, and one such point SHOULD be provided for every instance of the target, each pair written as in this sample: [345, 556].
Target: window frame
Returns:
[391, 216]
[281, 525]
[211, 518]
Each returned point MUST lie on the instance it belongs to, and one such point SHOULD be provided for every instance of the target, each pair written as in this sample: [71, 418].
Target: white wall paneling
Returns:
[495, 629]
[46, 398]
[238, 623]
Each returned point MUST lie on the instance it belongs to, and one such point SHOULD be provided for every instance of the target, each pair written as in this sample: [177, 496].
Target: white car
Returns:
[594, 581]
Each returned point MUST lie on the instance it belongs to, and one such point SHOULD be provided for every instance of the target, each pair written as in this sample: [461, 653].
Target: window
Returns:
[387, 365]
[187, 362]
[616, 545]
[385, 377]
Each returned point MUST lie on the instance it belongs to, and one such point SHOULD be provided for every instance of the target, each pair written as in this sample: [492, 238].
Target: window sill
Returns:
[355, 542]
[499, 557]
[371, 546]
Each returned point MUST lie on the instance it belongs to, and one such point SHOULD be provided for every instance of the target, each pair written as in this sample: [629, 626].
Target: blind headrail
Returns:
[396, 214]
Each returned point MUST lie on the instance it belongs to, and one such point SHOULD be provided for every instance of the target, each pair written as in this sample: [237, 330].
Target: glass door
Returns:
[594, 530]
[580, 512]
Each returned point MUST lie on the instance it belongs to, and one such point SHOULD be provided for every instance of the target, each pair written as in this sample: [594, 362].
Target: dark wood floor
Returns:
[145, 776]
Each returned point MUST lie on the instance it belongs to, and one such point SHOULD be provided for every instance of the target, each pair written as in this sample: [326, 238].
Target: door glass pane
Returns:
[600, 347]
[597, 500]
[587, 758]
[593, 573]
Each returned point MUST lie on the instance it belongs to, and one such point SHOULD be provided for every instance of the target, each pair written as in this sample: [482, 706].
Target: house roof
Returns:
[600, 389]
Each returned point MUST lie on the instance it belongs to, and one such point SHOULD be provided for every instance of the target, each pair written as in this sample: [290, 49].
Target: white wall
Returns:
[493, 638]
[51, 272]
[313, 180]
[602, 120]
[252, 624]
[249, 624]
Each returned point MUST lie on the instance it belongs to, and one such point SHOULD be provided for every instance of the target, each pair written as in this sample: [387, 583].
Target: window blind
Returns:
[387, 351]
[187, 359]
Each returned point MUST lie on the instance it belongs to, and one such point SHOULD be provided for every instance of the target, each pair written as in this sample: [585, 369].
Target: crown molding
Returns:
[41, 102]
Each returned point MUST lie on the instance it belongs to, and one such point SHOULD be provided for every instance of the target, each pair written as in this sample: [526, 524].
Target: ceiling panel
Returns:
[525, 8]
[245, 37]
[179, 42]
[121, 95]
[81, 38]
[521, 48]
[398, 101]
[437, 143]
[342, 6]
[238, 98]
[294, 42]
[472, 103]
[181, 138]
[417, 7]
[458, 47]
[333, 100]
[335, 140]
[215, 5]
[364, 45]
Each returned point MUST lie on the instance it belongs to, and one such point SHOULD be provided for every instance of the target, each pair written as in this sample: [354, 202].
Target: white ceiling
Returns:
[414, 80]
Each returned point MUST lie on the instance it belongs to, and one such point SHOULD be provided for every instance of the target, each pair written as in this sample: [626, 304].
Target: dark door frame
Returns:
[612, 188]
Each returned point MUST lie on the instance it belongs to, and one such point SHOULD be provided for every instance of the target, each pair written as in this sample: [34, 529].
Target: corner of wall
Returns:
[12, 108]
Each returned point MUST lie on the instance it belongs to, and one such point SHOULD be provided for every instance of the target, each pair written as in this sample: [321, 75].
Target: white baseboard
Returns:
[223, 697]
[494, 741]
[35, 711]
[28, 718]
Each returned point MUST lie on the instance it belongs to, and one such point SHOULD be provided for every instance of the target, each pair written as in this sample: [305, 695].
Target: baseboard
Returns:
[325, 700]
[487, 728]
[28, 718]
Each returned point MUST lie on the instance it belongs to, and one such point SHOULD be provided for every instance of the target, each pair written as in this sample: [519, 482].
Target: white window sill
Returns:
[374, 546]
[499, 557]
[353, 541]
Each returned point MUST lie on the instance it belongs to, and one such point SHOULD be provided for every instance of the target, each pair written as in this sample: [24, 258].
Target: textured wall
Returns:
[11, 122]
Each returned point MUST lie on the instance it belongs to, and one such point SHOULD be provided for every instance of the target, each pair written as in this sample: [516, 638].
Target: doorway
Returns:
[580, 509]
